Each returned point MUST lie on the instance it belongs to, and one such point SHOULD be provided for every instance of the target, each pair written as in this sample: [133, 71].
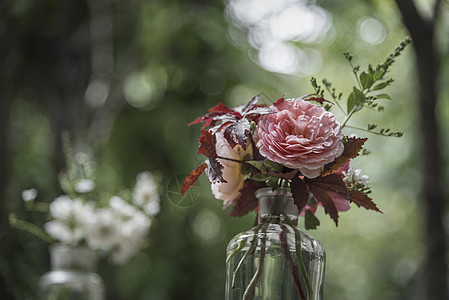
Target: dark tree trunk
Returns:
[8, 63]
[422, 33]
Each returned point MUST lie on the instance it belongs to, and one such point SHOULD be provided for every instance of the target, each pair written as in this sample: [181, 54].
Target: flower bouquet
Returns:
[84, 223]
[296, 148]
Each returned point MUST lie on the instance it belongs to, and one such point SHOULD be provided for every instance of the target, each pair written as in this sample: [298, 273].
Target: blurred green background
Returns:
[126, 77]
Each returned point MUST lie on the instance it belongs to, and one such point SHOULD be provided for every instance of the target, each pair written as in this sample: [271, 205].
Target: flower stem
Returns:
[302, 267]
[348, 117]
[251, 286]
[29, 227]
[294, 268]
[242, 260]
[236, 250]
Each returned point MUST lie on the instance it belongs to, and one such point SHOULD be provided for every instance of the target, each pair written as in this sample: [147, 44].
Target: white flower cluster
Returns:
[355, 176]
[118, 229]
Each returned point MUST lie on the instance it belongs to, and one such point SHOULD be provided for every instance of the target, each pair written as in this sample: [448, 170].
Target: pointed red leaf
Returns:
[362, 200]
[196, 121]
[207, 144]
[299, 192]
[213, 171]
[280, 100]
[324, 188]
[246, 201]
[320, 100]
[238, 133]
[352, 148]
[250, 105]
[191, 178]
[221, 108]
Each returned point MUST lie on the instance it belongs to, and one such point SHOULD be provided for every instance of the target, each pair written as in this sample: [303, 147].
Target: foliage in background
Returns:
[171, 60]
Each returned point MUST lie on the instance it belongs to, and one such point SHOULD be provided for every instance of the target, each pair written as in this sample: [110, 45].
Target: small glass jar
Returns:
[275, 260]
[72, 275]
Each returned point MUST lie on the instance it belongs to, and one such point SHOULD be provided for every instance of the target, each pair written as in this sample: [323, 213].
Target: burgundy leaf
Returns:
[207, 144]
[362, 200]
[196, 121]
[208, 119]
[352, 148]
[251, 103]
[221, 108]
[280, 100]
[259, 110]
[290, 174]
[216, 114]
[299, 192]
[191, 178]
[246, 201]
[213, 171]
[228, 135]
[238, 133]
[323, 189]
[320, 100]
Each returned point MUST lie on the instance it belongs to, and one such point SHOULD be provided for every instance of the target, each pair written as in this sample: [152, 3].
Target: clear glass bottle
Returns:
[264, 262]
[72, 275]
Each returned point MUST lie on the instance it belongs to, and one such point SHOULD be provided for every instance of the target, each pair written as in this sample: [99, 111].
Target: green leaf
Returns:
[383, 96]
[257, 164]
[356, 100]
[366, 80]
[272, 166]
[377, 75]
[381, 86]
[310, 220]
[351, 102]
[260, 177]
[273, 182]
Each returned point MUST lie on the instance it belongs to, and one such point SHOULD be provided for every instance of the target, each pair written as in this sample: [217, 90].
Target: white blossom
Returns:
[145, 194]
[119, 228]
[29, 195]
[125, 251]
[72, 219]
[133, 228]
[64, 233]
[85, 186]
[104, 233]
[355, 176]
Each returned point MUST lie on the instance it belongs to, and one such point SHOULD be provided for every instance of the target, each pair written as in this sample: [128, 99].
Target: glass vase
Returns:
[72, 275]
[275, 260]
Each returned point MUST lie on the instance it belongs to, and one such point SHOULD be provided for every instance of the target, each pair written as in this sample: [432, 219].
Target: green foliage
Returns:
[173, 45]
[373, 79]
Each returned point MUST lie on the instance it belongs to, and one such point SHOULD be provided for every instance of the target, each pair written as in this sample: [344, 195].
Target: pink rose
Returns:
[300, 135]
[232, 172]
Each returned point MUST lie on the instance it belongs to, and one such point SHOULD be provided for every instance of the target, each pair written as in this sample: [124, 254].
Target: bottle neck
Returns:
[276, 206]
[80, 259]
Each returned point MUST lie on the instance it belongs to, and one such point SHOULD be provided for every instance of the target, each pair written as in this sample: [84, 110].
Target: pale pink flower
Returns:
[232, 171]
[300, 135]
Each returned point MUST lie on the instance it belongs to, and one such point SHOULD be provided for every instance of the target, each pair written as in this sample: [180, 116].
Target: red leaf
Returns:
[213, 171]
[299, 192]
[207, 144]
[246, 201]
[352, 148]
[214, 115]
[221, 108]
[191, 178]
[251, 103]
[238, 133]
[196, 121]
[362, 200]
[320, 100]
[280, 100]
[323, 188]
